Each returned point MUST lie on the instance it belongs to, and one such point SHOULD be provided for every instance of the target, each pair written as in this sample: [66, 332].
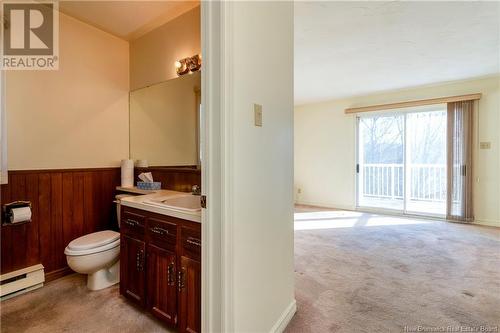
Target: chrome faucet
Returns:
[196, 190]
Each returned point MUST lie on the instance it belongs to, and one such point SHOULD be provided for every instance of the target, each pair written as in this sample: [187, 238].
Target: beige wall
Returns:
[163, 122]
[325, 150]
[260, 162]
[75, 117]
[152, 56]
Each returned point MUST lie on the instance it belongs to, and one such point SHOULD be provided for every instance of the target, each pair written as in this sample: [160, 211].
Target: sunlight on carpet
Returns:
[348, 219]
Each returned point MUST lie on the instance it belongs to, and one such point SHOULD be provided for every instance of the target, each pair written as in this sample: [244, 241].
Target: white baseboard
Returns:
[22, 280]
[488, 223]
[325, 205]
[285, 318]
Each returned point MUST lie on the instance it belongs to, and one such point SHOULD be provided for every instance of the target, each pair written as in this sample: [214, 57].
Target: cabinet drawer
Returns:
[162, 233]
[132, 223]
[191, 243]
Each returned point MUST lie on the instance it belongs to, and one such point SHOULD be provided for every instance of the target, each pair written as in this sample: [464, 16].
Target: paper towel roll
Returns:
[127, 168]
[20, 214]
[127, 163]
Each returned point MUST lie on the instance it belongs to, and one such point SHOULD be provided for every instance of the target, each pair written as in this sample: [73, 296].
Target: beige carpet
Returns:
[366, 273]
[65, 305]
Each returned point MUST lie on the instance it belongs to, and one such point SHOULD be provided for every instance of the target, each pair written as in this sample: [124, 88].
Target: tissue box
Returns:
[149, 185]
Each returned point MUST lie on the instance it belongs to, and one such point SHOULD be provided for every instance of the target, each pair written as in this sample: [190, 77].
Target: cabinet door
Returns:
[162, 284]
[189, 288]
[132, 269]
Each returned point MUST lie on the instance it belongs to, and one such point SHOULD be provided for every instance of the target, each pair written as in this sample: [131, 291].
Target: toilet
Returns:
[97, 255]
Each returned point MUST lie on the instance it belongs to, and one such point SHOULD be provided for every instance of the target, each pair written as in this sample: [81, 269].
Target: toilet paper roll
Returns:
[20, 214]
[127, 173]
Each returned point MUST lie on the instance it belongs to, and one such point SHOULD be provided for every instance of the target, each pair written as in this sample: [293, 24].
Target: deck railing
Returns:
[426, 182]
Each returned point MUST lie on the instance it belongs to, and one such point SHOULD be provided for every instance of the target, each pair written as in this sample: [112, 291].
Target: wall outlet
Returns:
[299, 191]
[485, 145]
[257, 110]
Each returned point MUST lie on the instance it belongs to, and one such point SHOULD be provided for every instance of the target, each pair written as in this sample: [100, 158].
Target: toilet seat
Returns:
[93, 243]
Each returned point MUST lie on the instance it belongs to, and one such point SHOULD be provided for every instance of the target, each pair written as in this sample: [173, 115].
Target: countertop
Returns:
[138, 202]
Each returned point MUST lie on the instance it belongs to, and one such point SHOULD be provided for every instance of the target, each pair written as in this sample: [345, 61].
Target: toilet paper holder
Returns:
[7, 211]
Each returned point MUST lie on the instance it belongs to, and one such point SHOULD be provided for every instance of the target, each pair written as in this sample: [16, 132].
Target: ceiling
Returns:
[347, 49]
[126, 19]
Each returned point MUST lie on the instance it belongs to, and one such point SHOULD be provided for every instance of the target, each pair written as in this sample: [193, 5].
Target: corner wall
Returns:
[325, 148]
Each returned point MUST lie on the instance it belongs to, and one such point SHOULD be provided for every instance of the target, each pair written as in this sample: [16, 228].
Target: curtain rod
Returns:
[421, 102]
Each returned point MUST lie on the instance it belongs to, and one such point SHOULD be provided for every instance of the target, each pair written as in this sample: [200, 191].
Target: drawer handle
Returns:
[171, 274]
[193, 241]
[139, 264]
[131, 222]
[159, 231]
[181, 279]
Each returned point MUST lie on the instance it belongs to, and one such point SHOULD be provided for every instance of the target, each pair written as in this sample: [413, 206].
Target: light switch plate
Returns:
[485, 145]
[257, 110]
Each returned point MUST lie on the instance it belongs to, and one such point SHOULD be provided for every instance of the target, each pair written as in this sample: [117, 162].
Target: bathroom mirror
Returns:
[164, 122]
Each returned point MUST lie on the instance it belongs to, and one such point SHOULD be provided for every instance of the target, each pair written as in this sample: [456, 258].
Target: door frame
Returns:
[216, 251]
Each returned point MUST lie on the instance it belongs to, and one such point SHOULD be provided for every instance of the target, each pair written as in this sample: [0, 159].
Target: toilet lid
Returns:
[93, 240]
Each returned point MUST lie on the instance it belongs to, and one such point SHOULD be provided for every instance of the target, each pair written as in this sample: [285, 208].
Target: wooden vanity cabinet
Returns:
[162, 284]
[190, 280]
[132, 256]
[161, 266]
[190, 295]
[132, 270]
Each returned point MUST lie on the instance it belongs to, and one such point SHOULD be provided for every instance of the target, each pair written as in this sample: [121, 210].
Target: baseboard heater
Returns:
[21, 281]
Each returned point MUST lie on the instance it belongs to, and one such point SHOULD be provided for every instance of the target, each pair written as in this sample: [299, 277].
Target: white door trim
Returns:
[217, 235]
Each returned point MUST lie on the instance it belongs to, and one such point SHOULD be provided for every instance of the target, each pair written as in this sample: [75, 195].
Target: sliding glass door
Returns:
[381, 161]
[426, 162]
[401, 162]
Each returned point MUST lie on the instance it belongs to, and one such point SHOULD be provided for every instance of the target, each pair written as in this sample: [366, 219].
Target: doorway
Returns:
[401, 162]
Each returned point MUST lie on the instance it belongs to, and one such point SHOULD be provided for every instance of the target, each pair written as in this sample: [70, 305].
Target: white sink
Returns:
[187, 203]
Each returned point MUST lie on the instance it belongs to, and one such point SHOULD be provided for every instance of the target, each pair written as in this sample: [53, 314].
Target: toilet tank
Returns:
[118, 199]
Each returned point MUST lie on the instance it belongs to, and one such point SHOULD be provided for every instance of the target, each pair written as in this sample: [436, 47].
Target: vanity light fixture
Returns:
[181, 67]
[194, 63]
[189, 64]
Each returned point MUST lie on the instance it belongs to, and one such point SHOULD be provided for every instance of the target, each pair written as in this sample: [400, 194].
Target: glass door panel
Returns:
[426, 162]
[380, 166]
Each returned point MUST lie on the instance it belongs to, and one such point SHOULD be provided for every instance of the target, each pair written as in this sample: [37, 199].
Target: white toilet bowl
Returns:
[96, 254]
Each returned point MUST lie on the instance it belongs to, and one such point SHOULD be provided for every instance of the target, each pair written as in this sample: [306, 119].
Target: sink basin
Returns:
[187, 203]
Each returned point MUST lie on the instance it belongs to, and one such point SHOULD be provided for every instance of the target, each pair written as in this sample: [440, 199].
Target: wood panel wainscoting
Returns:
[174, 178]
[66, 204]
